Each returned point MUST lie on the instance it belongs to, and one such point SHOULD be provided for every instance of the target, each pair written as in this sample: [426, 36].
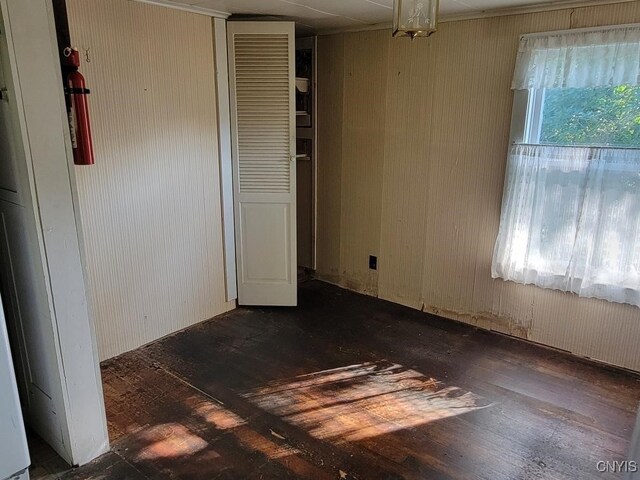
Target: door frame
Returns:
[223, 109]
[45, 155]
[311, 43]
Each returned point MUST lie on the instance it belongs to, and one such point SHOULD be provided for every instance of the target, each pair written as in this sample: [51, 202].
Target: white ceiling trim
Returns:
[497, 12]
[186, 8]
[537, 7]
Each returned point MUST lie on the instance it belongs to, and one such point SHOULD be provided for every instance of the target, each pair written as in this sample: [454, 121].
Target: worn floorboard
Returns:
[350, 387]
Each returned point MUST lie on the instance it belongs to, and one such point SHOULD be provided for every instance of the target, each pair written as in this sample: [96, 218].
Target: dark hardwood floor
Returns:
[350, 387]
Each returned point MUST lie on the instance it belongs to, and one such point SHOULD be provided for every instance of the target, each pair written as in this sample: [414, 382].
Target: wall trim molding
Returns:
[187, 8]
[77, 429]
[496, 12]
[225, 155]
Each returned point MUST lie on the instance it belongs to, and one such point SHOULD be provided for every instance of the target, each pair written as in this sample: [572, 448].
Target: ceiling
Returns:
[318, 15]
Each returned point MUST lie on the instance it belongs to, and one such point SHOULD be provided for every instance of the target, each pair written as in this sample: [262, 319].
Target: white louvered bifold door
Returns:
[261, 83]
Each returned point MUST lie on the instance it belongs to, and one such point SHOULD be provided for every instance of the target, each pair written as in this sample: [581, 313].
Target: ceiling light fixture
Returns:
[414, 18]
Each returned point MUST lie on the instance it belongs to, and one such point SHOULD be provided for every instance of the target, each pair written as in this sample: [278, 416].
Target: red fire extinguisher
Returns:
[78, 110]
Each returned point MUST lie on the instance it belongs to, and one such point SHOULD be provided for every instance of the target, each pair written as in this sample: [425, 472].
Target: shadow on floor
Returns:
[46, 464]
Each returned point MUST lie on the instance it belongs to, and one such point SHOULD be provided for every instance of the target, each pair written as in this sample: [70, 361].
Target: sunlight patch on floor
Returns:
[362, 401]
[169, 440]
[215, 414]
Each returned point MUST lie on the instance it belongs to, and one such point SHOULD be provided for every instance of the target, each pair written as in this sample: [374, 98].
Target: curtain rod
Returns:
[580, 30]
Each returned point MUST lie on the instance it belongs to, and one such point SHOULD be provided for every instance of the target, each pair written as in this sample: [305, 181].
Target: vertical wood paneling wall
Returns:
[413, 140]
[330, 121]
[150, 207]
[362, 156]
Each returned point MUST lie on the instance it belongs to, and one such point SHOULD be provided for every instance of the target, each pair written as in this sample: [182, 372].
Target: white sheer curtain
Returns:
[578, 59]
[571, 215]
[571, 221]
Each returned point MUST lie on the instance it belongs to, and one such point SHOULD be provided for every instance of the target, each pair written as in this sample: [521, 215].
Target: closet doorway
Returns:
[306, 157]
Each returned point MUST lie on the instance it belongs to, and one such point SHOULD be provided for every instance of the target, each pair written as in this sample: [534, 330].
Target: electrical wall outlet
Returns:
[373, 262]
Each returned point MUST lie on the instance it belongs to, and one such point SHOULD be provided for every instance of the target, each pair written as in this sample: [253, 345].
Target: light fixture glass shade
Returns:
[414, 18]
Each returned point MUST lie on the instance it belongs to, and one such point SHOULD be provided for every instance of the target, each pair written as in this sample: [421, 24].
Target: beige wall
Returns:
[413, 141]
[150, 207]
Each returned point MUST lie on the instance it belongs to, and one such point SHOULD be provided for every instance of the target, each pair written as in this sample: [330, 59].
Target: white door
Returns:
[261, 83]
[14, 454]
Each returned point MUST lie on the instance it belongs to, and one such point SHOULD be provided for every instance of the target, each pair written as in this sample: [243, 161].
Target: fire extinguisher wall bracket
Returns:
[79, 123]
[70, 91]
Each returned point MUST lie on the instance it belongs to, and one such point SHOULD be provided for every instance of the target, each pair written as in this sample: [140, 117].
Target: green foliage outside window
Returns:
[592, 116]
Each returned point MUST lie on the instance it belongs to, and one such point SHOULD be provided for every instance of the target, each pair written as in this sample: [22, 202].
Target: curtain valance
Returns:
[579, 59]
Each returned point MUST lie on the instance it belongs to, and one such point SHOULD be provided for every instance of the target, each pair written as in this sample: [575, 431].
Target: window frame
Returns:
[526, 116]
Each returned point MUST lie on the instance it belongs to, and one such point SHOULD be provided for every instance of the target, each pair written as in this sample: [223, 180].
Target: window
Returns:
[591, 116]
[595, 116]
[571, 207]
